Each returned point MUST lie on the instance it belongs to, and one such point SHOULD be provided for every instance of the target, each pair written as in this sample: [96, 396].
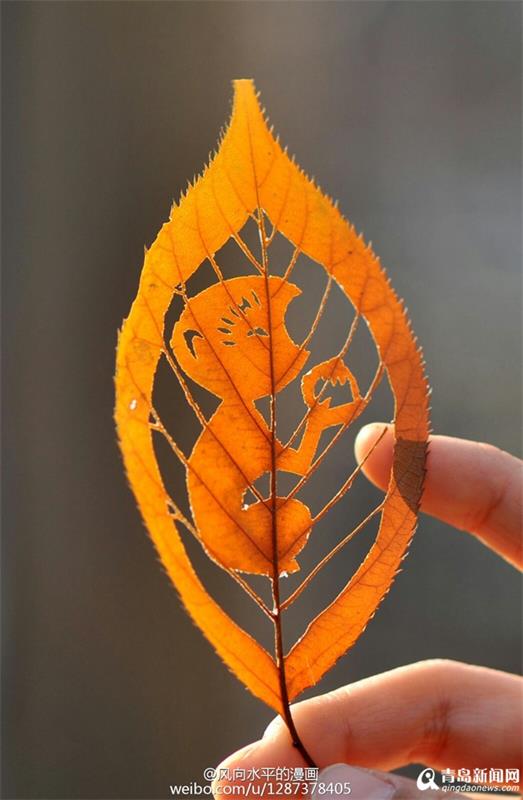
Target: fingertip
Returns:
[274, 729]
[275, 749]
[377, 462]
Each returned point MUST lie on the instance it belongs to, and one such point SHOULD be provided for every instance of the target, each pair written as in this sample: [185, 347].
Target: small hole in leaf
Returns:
[257, 332]
[189, 337]
[248, 499]
[339, 393]
[263, 404]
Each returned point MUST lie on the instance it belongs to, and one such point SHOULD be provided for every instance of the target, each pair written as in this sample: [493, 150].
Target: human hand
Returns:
[438, 713]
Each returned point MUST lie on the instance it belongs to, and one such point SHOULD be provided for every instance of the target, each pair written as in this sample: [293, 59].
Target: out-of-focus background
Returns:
[410, 114]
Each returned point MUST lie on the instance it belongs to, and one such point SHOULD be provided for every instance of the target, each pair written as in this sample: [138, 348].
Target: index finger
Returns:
[473, 486]
[438, 713]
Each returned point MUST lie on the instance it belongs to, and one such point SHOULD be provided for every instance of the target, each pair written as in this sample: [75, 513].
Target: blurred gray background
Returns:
[409, 114]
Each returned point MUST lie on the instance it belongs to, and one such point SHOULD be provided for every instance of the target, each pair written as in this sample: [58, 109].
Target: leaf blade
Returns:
[251, 176]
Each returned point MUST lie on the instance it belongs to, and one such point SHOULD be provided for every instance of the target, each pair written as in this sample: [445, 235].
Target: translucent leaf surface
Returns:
[232, 339]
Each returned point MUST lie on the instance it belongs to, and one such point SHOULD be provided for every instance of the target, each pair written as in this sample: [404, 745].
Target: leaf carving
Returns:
[232, 339]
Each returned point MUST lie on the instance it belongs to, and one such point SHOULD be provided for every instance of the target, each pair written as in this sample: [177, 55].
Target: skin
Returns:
[439, 713]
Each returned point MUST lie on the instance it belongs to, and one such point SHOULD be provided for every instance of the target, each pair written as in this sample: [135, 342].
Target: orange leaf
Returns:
[232, 339]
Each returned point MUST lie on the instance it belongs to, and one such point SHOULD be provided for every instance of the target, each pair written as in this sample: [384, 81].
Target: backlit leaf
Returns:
[232, 339]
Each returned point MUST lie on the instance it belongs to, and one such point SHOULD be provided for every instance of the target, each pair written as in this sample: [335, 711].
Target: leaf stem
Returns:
[275, 581]
[280, 663]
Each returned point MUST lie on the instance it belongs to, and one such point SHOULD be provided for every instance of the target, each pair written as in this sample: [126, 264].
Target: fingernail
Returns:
[340, 780]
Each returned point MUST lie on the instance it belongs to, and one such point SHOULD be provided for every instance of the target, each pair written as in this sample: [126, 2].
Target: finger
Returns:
[439, 713]
[473, 486]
